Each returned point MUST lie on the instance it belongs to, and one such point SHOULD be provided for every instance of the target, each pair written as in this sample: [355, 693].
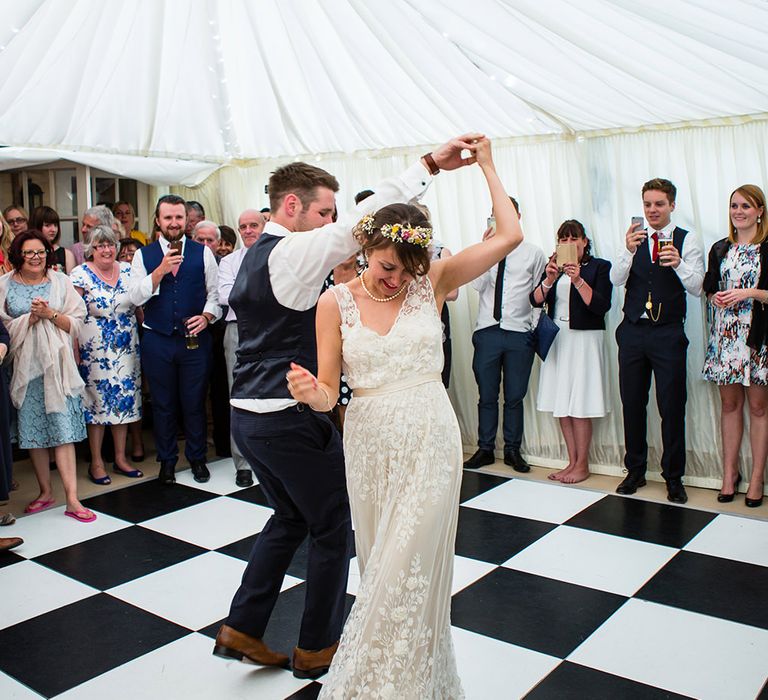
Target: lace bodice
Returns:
[412, 348]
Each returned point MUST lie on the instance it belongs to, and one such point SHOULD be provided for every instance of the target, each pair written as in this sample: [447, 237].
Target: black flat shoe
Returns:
[481, 458]
[137, 458]
[243, 478]
[513, 458]
[200, 471]
[131, 473]
[101, 481]
[676, 491]
[632, 482]
[728, 497]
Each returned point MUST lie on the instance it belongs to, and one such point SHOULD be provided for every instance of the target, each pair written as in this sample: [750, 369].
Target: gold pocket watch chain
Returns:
[649, 309]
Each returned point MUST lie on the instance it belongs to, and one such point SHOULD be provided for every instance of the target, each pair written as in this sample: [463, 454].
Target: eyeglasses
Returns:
[104, 246]
[17, 220]
[34, 253]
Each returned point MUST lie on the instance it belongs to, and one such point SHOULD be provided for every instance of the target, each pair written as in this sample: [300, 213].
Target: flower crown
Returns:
[399, 233]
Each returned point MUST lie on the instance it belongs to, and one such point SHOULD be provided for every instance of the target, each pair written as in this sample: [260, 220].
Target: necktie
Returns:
[499, 289]
[655, 253]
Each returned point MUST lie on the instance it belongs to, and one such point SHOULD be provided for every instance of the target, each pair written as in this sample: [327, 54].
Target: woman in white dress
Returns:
[573, 384]
[402, 446]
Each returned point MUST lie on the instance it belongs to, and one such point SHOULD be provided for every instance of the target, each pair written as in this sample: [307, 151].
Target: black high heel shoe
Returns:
[755, 502]
[728, 497]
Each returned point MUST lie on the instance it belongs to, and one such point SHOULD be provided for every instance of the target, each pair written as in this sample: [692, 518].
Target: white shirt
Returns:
[525, 265]
[228, 268]
[140, 285]
[299, 264]
[690, 271]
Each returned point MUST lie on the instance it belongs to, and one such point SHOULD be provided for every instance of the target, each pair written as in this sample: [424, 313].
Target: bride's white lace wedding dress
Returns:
[403, 460]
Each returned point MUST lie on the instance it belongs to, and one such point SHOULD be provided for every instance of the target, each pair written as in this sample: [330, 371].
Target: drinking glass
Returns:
[189, 337]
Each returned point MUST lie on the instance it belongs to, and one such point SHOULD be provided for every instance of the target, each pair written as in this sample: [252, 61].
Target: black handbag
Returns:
[544, 334]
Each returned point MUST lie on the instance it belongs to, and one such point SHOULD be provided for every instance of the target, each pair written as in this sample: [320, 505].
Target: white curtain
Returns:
[596, 180]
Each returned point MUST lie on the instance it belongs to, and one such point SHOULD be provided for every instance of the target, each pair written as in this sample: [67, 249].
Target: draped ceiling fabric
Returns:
[585, 100]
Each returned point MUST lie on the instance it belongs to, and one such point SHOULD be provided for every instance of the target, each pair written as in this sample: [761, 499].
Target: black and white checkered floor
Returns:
[558, 593]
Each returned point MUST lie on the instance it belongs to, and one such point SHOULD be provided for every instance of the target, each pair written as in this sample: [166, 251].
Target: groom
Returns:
[295, 452]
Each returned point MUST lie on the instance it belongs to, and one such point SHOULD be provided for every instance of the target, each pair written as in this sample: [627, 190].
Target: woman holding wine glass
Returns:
[736, 284]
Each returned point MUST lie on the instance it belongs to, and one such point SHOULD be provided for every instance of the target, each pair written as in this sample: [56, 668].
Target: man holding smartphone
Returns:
[176, 280]
[658, 267]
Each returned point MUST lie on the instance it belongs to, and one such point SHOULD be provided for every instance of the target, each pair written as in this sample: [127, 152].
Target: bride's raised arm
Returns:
[471, 262]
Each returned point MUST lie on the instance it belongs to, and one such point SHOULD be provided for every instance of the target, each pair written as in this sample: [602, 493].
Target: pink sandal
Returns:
[39, 504]
[83, 516]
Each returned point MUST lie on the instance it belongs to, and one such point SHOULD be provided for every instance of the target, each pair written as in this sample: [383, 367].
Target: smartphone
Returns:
[176, 245]
[491, 223]
[637, 222]
[566, 253]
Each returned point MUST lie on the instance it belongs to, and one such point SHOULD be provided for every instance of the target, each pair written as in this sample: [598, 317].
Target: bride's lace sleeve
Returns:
[346, 303]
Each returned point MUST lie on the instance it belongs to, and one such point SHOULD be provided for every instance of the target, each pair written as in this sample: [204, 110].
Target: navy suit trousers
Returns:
[178, 380]
[298, 459]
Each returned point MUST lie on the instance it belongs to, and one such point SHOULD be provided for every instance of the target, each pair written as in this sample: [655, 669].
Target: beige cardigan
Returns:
[43, 349]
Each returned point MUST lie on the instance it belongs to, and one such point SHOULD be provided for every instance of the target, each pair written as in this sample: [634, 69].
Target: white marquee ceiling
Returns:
[230, 80]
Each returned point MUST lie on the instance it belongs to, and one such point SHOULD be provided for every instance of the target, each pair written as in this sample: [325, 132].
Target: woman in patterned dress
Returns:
[402, 446]
[736, 284]
[109, 352]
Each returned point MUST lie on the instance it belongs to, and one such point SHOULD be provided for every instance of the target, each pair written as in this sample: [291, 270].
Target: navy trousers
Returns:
[178, 379]
[497, 350]
[645, 349]
[298, 459]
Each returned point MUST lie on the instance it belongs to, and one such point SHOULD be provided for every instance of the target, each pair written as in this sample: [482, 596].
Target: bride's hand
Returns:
[301, 383]
[482, 152]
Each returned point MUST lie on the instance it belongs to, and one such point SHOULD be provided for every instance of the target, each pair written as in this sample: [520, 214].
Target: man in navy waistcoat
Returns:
[179, 292]
[295, 452]
[659, 266]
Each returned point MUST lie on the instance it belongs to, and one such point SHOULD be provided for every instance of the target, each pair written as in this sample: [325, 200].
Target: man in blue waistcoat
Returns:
[659, 266]
[294, 451]
[176, 280]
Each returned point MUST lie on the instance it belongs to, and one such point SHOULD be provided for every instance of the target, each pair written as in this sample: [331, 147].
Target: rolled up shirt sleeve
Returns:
[140, 284]
[299, 263]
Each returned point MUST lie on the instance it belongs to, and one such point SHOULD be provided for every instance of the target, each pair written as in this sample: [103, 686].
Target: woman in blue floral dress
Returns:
[109, 352]
[737, 354]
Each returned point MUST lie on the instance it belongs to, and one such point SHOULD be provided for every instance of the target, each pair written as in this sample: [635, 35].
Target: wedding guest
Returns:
[176, 281]
[503, 342]
[126, 215]
[195, 214]
[17, 219]
[227, 242]
[44, 314]
[128, 248]
[573, 384]
[109, 352]
[737, 357]
[46, 220]
[92, 217]
[250, 224]
[651, 337]
[6, 236]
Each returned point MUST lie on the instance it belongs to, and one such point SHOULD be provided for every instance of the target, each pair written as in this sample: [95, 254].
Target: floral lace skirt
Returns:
[403, 458]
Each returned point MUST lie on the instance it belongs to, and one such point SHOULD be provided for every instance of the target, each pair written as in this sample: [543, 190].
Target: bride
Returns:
[401, 444]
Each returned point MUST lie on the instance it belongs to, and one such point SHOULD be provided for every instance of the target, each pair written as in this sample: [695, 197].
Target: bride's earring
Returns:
[759, 219]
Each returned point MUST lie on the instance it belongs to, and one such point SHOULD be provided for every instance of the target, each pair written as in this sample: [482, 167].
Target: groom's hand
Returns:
[448, 156]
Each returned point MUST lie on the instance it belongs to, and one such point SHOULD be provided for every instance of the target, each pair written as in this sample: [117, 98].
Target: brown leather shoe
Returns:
[312, 664]
[9, 543]
[231, 644]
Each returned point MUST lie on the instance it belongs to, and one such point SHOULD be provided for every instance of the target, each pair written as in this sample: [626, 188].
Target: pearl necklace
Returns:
[109, 279]
[385, 299]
